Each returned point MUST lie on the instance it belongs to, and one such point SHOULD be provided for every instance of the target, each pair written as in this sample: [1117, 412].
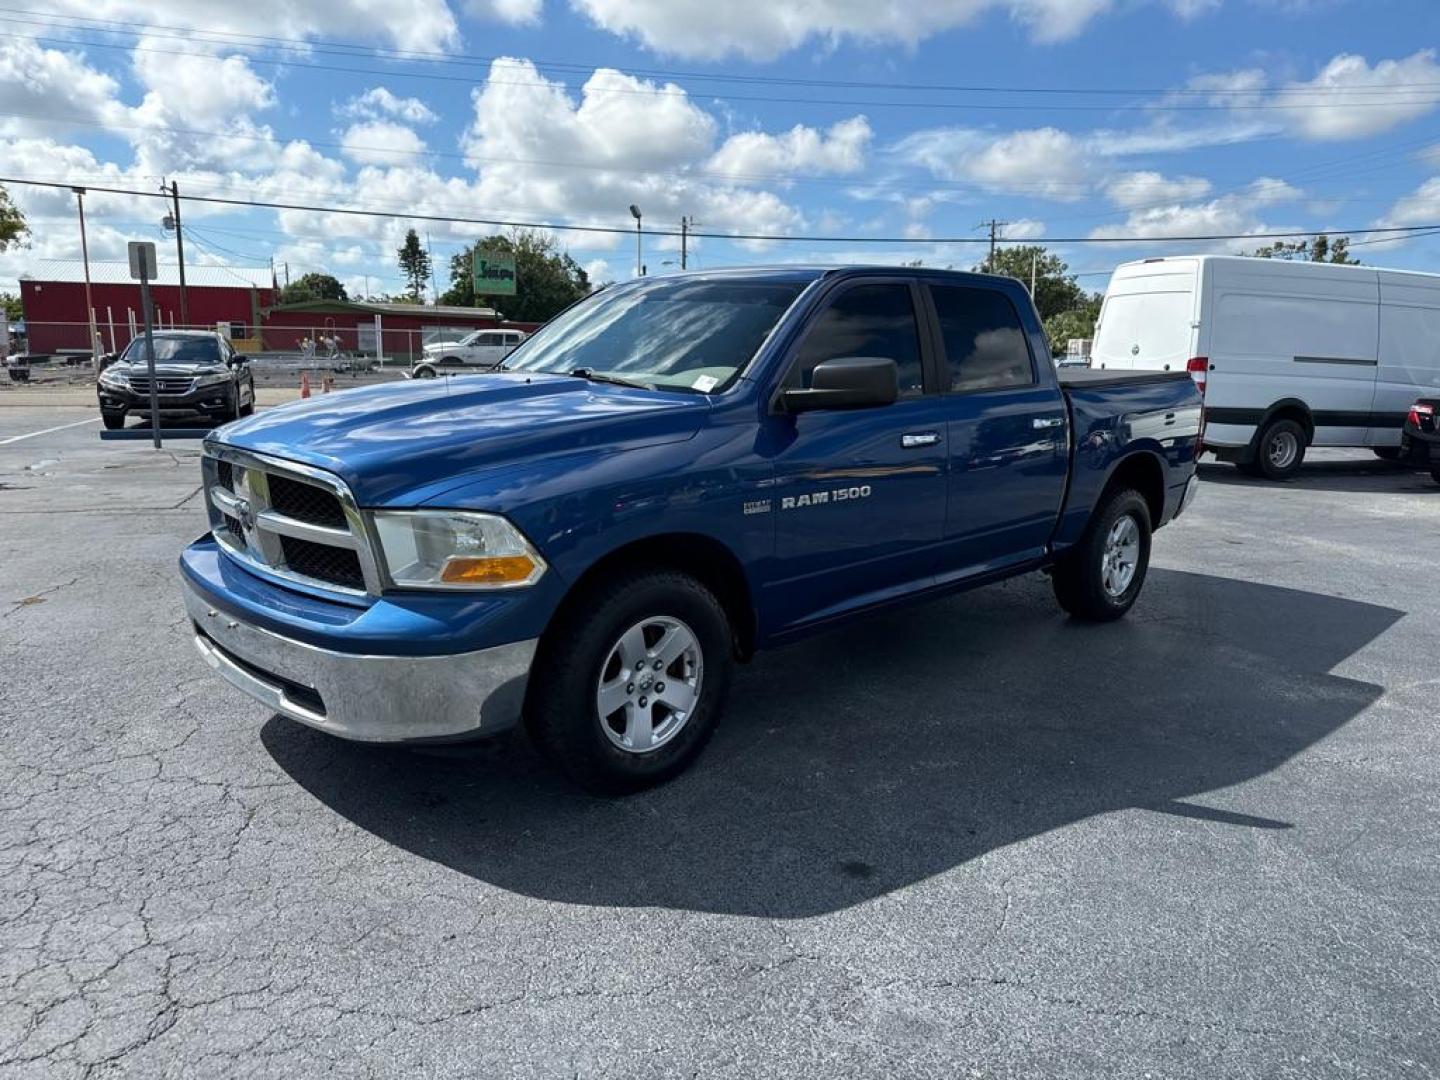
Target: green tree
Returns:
[547, 279]
[11, 306]
[1056, 289]
[1322, 249]
[1078, 322]
[13, 229]
[313, 287]
[414, 264]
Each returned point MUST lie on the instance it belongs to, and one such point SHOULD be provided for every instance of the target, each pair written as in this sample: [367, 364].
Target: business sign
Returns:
[494, 272]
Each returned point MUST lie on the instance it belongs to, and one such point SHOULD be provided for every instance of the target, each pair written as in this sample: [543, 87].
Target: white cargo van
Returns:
[1290, 354]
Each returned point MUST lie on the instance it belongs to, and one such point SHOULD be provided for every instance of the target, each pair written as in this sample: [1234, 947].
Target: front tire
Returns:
[113, 421]
[1099, 579]
[627, 688]
[1281, 449]
[424, 373]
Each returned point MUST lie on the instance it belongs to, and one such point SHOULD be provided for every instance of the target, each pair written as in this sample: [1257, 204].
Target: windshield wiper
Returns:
[592, 375]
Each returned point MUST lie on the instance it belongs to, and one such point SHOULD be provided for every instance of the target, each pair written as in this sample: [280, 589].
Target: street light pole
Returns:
[684, 241]
[85, 258]
[639, 241]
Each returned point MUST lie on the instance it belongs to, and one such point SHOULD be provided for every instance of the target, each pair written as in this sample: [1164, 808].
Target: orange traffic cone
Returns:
[304, 384]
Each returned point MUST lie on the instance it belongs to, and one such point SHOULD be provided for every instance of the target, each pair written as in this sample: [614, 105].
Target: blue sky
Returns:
[1066, 118]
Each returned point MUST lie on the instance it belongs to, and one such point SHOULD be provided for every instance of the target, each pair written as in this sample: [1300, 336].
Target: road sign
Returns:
[142, 260]
[494, 273]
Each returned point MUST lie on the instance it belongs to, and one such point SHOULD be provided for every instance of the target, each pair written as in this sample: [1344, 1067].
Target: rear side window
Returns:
[985, 344]
[868, 320]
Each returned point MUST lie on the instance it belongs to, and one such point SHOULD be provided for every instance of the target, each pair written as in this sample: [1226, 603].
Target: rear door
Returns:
[1006, 429]
[859, 494]
[1409, 357]
[1148, 319]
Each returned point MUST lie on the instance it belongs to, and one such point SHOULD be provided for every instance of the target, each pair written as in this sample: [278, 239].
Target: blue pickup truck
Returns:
[674, 473]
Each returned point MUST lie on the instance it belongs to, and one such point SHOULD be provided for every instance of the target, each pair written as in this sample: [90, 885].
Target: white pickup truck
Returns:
[480, 350]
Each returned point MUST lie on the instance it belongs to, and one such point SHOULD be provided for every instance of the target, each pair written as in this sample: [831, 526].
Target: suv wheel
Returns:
[113, 421]
[1100, 577]
[627, 689]
[1280, 450]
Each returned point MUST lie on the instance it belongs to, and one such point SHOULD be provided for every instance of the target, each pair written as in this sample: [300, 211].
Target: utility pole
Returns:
[287, 273]
[85, 258]
[179, 251]
[995, 227]
[684, 238]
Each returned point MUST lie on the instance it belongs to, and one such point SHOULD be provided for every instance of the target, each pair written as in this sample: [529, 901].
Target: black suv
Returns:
[197, 373]
[1420, 441]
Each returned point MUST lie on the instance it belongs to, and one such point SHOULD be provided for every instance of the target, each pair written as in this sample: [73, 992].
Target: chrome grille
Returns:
[288, 521]
[165, 385]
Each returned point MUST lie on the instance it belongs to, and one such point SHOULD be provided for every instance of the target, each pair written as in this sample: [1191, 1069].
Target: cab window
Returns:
[985, 345]
[866, 320]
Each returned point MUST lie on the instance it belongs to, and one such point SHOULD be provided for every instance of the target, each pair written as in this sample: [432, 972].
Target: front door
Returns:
[859, 494]
[1007, 434]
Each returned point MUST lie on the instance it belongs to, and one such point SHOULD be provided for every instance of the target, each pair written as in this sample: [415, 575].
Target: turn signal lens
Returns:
[499, 570]
[1199, 368]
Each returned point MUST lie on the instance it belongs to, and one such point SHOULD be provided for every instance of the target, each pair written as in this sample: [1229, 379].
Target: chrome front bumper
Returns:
[366, 698]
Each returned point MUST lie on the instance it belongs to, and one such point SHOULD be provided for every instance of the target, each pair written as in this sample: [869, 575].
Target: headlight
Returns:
[214, 379]
[455, 549]
[116, 379]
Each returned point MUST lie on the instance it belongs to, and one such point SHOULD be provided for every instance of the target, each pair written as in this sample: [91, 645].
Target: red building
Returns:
[242, 298]
[53, 296]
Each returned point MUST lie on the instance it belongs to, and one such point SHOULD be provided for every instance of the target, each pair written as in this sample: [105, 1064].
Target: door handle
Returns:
[1040, 423]
[919, 438]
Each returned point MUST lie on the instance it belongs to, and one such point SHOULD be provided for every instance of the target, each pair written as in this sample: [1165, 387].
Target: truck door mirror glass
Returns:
[849, 382]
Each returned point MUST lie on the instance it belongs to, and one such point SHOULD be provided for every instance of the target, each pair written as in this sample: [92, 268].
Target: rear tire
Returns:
[112, 421]
[1386, 453]
[1099, 579]
[1280, 450]
[603, 654]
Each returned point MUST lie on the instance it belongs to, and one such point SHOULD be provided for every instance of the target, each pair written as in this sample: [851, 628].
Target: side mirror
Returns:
[849, 382]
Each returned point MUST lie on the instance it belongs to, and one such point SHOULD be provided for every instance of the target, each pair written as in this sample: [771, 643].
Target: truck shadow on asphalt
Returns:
[1364, 476]
[873, 757]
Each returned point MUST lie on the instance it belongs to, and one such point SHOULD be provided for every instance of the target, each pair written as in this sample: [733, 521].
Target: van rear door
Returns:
[1148, 320]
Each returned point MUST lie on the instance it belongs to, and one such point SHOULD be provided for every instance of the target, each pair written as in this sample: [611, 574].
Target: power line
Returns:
[1388, 97]
[776, 237]
[332, 47]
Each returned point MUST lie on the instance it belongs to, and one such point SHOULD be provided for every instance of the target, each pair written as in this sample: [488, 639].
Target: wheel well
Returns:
[1289, 410]
[700, 556]
[1144, 473]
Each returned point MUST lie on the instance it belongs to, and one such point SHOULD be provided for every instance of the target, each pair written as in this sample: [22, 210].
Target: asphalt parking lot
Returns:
[970, 839]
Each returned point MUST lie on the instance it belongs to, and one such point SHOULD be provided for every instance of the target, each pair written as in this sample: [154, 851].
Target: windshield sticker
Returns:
[705, 383]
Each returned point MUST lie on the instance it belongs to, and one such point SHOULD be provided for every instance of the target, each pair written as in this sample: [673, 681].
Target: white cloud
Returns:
[379, 102]
[1132, 190]
[599, 271]
[1044, 161]
[415, 24]
[802, 149]
[764, 29]
[1349, 99]
[1236, 212]
[41, 89]
[380, 142]
[1420, 207]
[514, 12]
[1024, 229]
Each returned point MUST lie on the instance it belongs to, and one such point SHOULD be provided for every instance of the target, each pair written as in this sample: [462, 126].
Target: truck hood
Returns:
[402, 443]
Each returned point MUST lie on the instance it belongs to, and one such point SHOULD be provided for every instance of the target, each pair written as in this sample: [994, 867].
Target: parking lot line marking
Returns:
[46, 431]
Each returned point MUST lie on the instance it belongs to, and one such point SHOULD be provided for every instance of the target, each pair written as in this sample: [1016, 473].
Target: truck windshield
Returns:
[174, 350]
[673, 335]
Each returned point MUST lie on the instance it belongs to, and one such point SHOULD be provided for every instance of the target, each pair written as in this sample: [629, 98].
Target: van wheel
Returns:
[1100, 577]
[1281, 449]
[626, 690]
